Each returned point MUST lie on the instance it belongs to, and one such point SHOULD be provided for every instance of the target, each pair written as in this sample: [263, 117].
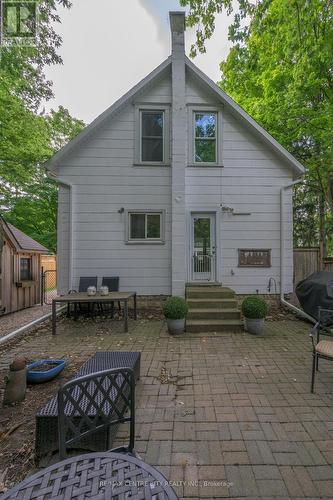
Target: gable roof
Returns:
[230, 104]
[21, 241]
[239, 112]
[108, 113]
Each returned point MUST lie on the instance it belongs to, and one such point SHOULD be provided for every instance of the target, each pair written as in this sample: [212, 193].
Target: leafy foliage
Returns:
[280, 71]
[175, 308]
[28, 137]
[254, 307]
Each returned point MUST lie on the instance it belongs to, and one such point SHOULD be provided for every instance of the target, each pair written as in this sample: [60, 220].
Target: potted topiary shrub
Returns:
[175, 310]
[254, 309]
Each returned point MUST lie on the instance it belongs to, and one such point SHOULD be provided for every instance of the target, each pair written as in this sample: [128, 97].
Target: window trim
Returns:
[30, 269]
[145, 241]
[165, 109]
[195, 138]
[192, 110]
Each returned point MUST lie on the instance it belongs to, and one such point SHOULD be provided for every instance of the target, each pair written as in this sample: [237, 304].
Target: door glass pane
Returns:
[153, 226]
[202, 235]
[137, 226]
[202, 245]
[152, 149]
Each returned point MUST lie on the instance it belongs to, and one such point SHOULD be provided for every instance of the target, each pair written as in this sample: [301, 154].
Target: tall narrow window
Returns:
[152, 125]
[25, 269]
[205, 137]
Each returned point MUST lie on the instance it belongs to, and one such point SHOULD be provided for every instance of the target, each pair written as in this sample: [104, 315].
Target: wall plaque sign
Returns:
[254, 257]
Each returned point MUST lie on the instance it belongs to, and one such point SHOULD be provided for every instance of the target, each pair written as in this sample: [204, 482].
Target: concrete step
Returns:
[202, 326]
[209, 313]
[212, 303]
[205, 284]
[209, 292]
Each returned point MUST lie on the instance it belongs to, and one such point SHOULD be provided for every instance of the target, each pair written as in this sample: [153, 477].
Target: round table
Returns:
[103, 475]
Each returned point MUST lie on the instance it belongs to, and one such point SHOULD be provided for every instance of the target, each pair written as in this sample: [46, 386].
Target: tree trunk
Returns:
[322, 231]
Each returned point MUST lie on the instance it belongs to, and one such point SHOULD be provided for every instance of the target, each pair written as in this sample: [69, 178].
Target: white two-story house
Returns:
[175, 183]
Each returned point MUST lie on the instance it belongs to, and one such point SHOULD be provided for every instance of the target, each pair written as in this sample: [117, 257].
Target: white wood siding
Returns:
[63, 237]
[249, 181]
[105, 181]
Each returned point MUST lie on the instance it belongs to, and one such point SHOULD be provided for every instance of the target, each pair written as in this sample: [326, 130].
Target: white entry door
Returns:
[203, 247]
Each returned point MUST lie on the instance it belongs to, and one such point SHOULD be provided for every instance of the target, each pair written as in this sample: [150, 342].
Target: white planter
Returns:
[176, 326]
[91, 290]
[254, 326]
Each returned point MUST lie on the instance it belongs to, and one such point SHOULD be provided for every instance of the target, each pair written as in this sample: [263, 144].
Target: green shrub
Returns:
[254, 307]
[175, 308]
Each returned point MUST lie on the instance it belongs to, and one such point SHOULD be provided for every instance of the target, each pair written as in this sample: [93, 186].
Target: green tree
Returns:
[28, 137]
[33, 206]
[280, 70]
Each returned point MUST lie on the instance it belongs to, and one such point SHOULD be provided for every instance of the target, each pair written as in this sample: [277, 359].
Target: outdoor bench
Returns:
[47, 416]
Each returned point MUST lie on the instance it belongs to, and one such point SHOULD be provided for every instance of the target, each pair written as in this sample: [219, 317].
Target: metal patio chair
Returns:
[112, 283]
[322, 349]
[95, 403]
[84, 283]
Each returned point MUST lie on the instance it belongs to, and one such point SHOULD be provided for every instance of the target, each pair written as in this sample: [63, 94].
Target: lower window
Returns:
[25, 269]
[145, 226]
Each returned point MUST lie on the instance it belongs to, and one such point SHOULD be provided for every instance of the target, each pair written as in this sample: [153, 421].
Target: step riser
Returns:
[209, 294]
[213, 328]
[220, 303]
[192, 314]
[203, 285]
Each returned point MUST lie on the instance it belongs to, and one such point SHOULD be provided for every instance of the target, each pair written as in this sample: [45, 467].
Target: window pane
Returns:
[152, 124]
[153, 226]
[205, 125]
[25, 269]
[205, 151]
[152, 150]
[137, 226]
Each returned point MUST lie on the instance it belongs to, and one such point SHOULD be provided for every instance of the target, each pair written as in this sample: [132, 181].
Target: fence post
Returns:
[42, 284]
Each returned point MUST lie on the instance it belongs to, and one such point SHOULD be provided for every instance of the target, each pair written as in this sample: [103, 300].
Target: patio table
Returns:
[83, 297]
[97, 476]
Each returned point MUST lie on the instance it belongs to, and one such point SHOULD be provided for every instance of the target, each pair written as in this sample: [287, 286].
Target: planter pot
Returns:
[176, 326]
[38, 377]
[254, 326]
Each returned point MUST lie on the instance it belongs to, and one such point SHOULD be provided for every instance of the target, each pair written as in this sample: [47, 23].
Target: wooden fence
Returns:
[307, 261]
[49, 262]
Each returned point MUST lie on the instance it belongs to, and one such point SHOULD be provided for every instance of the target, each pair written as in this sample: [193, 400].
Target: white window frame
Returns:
[165, 109]
[145, 241]
[192, 111]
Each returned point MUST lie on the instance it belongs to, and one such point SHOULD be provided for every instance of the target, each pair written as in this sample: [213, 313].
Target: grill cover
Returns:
[316, 291]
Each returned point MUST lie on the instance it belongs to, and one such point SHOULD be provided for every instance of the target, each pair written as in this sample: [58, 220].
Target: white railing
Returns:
[202, 267]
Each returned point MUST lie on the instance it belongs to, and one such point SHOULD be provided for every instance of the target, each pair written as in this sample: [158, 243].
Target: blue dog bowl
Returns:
[35, 377]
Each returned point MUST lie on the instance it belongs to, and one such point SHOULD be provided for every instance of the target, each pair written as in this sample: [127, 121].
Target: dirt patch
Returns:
[17, 427]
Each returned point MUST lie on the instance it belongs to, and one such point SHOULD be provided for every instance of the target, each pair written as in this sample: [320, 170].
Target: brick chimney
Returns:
[178, 154]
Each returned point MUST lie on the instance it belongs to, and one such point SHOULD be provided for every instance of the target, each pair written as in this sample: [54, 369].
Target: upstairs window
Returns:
[152, 136]
[205, 137]
[25, 269]
[145, 226]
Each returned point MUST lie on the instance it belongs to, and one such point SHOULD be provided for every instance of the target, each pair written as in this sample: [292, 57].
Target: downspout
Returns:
[282, 255]
[61, 180]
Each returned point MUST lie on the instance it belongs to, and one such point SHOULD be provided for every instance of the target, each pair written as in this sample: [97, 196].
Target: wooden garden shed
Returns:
[20, 269]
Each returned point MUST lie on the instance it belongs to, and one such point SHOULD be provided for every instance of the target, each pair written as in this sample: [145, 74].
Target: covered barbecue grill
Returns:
[316, 291]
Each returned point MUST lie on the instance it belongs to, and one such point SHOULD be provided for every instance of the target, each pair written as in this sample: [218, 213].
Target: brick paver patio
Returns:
[225, 415]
